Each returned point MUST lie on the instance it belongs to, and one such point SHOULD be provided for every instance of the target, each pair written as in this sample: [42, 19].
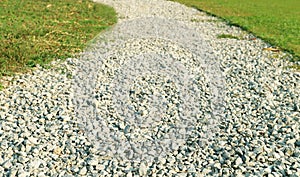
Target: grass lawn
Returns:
[37, 31]
[275, 21]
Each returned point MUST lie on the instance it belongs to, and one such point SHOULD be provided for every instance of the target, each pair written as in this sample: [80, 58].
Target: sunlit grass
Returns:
[37, 31]
[277, 21]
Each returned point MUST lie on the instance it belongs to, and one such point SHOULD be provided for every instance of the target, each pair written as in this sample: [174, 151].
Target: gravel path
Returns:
[159, 94]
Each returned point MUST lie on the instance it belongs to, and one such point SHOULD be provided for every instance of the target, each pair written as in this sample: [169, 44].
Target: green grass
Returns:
[38, 31]
[228, 36]
[275, 21]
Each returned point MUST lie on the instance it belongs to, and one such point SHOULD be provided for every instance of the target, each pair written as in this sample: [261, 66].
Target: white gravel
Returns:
[159, 94]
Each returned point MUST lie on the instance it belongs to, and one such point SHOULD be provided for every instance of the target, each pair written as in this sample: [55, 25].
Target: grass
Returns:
[38, 31]
[275, 21]
[227, 36]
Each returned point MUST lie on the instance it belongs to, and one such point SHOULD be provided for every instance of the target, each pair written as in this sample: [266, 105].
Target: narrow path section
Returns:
[157, 95]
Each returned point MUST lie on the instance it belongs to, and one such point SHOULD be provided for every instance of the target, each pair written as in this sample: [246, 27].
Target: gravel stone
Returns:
[158, 94]
[142, 169]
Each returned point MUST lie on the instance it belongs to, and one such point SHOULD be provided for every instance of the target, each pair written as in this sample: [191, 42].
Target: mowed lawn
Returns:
[38, 31]
[275, 21]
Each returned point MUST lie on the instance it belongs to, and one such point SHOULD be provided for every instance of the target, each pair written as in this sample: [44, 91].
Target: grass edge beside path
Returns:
[37, 32]
[278, 27]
